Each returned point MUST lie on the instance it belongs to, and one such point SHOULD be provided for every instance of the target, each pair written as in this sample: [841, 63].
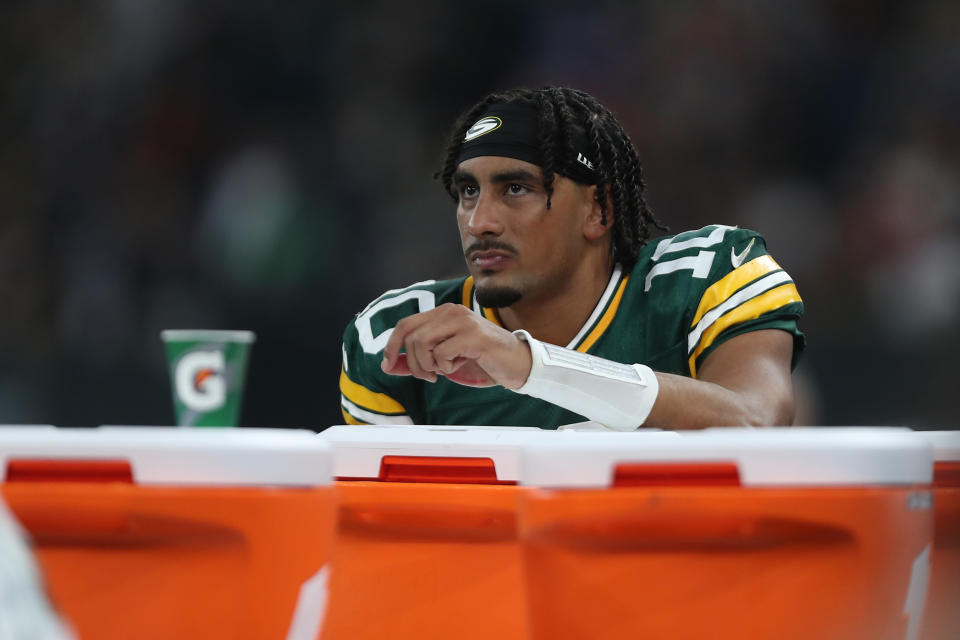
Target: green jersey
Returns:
[686, 295]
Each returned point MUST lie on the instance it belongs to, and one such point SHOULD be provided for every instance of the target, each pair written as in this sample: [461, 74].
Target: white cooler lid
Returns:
[181, 456]
[764, 457]
[359, 449]
[946, 445]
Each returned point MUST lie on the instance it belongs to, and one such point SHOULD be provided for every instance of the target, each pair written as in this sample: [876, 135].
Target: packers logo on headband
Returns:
[482, 126]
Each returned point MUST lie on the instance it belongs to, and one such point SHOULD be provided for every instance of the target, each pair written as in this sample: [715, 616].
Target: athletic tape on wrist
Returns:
[619, 396]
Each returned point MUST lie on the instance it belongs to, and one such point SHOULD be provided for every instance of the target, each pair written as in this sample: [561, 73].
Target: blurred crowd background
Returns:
[268, 166]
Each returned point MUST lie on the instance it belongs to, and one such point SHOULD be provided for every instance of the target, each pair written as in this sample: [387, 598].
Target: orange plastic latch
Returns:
[49, 470]
[439, 469]
[677, 474]
[946, 473]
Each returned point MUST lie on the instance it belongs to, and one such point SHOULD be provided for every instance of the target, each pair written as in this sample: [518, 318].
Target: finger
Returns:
[422, 344]
[466, 344]
[470, 374]
[413, 360]
[499, 356]
[399, 367]
[456, 358]
[399, 336]
[449, 366]
[448, 353]
[445, 365]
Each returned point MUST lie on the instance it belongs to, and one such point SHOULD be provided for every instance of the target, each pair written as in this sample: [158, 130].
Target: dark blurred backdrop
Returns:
[267, 166]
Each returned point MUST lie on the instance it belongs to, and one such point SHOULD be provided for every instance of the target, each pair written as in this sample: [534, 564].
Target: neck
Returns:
[558, 315]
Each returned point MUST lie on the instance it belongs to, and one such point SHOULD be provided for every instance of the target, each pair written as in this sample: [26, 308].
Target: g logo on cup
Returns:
[199, 380]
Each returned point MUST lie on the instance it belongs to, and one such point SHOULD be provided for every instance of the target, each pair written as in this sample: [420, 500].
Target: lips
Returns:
[490, 260]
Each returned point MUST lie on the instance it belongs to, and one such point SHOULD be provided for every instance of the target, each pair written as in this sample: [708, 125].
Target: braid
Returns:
[602, 165]
[564, 120]
[624, 236]
[620, 183]
[547, 134]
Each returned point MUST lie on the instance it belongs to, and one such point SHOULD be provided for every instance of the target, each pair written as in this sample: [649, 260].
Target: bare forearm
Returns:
[685, 403]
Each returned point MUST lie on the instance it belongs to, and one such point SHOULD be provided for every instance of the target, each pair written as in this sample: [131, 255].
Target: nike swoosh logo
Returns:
[738, 258]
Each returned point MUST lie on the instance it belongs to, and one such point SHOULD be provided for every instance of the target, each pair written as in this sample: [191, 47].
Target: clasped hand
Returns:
[454, 342]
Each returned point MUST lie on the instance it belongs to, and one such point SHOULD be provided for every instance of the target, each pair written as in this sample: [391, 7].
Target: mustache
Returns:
[488, 244]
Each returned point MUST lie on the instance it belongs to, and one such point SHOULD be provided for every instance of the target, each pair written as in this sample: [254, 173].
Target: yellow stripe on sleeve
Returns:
[605, 320]
[733, 281]
[363, 397]
[349, 419]
[749, 310]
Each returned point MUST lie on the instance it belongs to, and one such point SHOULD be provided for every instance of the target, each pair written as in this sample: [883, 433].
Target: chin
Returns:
[494, 297]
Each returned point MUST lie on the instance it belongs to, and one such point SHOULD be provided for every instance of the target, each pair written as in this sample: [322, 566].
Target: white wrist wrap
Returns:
[619, 396]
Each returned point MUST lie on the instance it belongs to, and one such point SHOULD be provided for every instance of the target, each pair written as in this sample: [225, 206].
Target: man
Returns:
[568, 313]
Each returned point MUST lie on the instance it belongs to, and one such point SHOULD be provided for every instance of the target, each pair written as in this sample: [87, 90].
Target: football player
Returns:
[570, 312]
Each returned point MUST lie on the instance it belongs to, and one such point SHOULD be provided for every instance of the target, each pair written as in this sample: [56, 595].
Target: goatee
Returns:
[497, 297]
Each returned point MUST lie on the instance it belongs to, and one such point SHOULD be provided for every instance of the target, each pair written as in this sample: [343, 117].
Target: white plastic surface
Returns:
[358, 450]
[946, 444]
[182, 456]
[765, 457]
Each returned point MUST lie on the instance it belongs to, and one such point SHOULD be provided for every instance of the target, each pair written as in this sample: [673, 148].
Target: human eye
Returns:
[516, 189]
[468, 191]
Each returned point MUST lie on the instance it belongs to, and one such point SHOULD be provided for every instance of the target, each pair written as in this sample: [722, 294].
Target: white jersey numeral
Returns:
[700, 265]
[426, 300]
[672, 245]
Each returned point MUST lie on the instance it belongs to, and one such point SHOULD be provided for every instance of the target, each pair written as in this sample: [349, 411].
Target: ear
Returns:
[597, 223]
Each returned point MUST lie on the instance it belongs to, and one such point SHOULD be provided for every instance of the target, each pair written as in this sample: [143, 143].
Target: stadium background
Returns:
[267, 166]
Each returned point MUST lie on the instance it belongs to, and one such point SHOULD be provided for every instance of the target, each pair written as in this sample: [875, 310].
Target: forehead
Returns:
[485, 167]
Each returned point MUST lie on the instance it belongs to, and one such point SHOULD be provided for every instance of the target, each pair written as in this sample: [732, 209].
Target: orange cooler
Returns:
[791, 534]
[151, 532]
[942, 619]
[427, 542]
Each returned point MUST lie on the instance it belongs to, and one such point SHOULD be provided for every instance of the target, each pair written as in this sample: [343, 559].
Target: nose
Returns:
[485, 217]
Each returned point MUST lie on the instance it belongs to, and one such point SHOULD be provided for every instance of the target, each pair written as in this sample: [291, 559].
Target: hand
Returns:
[454, 342]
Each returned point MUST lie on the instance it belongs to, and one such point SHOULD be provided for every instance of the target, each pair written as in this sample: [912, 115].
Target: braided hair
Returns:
[564, 112]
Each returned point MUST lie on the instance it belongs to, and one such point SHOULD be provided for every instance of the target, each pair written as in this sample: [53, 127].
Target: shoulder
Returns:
[719, 281]
[710, 239]
[697, 257]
